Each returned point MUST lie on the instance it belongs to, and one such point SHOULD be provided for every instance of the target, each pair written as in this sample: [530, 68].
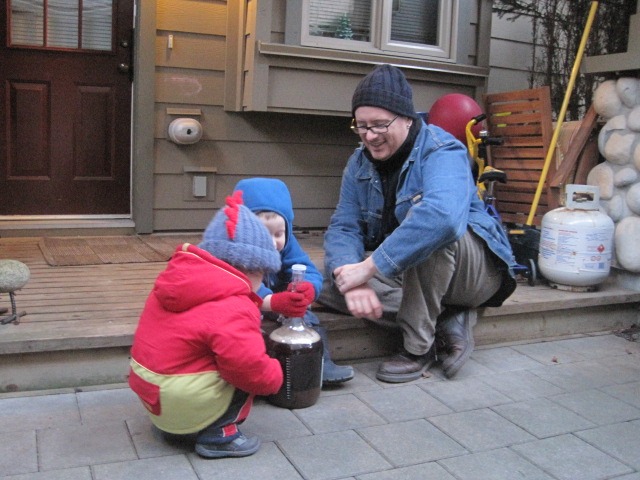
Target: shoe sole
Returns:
[337, 381]
[402, 377]
[204, 452]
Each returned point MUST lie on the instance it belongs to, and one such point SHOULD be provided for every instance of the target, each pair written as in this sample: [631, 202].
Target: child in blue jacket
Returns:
[270, 200]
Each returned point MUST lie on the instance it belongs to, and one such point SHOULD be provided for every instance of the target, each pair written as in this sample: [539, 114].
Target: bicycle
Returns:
[487, 176]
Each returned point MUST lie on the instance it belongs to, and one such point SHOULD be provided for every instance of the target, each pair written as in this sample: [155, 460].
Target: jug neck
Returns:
[294, 323]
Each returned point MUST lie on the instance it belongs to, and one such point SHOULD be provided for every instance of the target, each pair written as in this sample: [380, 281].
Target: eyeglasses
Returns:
[362, 129]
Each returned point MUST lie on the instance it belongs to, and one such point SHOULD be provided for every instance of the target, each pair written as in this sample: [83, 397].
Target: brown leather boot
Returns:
[455, 336]
[405, 367]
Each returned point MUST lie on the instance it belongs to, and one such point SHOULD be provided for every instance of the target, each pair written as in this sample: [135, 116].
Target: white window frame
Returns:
[381, 43]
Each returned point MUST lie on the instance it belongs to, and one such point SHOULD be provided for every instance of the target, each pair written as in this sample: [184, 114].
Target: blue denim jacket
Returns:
[436, 201]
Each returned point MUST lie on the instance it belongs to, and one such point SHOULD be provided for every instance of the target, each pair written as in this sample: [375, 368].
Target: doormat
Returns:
[74, 251]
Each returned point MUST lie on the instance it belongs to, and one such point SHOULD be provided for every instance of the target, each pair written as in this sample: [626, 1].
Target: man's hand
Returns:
[290, 304]
[363, 302]
[353, 275]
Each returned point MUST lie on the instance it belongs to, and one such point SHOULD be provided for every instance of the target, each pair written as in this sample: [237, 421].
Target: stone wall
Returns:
[618, 177]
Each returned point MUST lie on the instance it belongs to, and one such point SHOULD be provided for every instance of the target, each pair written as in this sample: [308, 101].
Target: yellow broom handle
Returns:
[563, 111]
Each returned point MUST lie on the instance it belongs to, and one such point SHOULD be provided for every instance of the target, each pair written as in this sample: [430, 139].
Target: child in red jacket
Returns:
[198, 356]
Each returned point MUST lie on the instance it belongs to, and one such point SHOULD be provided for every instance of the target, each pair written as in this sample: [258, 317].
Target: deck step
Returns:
[72, 357]
[80, 320]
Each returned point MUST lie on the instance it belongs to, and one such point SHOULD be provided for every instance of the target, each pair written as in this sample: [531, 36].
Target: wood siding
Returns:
[511, 55]
[296, 109]
[307, 152]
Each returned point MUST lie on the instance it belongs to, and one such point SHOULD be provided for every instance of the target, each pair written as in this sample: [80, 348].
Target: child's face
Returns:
[277, 228]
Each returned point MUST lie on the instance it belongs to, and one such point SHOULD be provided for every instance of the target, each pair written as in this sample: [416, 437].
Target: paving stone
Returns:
[359, 383]
[407, 443]
[543, 418]
[482, 429]
[633, 476]
[549, 353]
[149, 441]
[501, 464]
[504, 359]
[332, 455]
[75, 446]
[599, 346]
[109, 405]
[584, 404]
[622, 368]
[79, 473]
[629, 393]
[176, 466]
[267, 463]
[521, 385]
[471, 368]
[30, 413]
[567, 457]
[424, 471]
[331, 414]
[18, 453]
[465, 394]
[403, 403]
[598, 407]
[621, 441]
[576, 376]
[270, 423]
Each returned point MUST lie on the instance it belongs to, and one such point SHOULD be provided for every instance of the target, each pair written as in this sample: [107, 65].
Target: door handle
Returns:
[123, 68]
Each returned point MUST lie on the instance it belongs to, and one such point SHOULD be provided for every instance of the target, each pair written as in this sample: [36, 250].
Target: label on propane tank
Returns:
[577, 248]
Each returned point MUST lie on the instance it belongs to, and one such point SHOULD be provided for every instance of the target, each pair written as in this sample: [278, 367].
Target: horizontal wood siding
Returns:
[236, 158]
[307, 152]
[306, 148]
[194, 16]
[191, 87]
[511, 53]
[191, 51]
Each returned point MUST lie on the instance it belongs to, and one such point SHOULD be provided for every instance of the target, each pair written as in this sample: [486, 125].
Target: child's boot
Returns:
[332, 374]
[214, 446]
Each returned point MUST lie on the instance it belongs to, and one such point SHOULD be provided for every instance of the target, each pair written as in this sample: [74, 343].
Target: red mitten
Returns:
[306, 288]
[290, 304]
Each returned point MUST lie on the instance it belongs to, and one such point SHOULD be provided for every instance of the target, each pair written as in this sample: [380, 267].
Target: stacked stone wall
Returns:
[618, 177]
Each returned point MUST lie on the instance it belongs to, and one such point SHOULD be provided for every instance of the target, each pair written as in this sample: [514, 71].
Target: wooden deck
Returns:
[82, 309]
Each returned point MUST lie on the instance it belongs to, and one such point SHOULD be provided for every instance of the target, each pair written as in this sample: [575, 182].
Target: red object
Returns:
[305, 288]
[290, 304]
[452, 112]
[231, 211]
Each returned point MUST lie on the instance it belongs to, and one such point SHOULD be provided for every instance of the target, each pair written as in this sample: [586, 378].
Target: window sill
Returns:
[323, 54]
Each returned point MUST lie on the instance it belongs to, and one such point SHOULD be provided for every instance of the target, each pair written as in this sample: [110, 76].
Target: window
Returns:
[66, 24]
[421, 28]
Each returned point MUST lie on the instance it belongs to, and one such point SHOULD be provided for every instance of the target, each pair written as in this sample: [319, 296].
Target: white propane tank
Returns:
[576, 241]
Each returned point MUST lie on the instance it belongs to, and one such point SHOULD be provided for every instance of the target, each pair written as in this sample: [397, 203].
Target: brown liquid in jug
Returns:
[302, 369]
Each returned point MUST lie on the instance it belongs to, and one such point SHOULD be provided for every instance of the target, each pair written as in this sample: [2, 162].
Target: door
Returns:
[65, 100]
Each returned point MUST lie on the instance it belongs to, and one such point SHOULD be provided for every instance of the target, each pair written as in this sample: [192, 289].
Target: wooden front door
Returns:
[65, 107]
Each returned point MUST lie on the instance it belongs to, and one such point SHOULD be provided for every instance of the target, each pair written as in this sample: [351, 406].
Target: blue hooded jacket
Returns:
[271, 194]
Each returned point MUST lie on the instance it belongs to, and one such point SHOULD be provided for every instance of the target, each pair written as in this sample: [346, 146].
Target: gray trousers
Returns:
[460, 276]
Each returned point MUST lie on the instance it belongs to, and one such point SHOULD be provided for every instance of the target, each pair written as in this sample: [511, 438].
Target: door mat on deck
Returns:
[68, 251]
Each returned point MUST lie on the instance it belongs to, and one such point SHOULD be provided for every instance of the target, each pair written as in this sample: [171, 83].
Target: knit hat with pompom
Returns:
[237, 236]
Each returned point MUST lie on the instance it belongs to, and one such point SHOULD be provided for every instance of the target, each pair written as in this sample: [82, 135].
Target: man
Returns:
[410, 241]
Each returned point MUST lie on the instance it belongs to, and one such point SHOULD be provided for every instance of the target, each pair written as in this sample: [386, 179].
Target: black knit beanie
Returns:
[385, 87]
